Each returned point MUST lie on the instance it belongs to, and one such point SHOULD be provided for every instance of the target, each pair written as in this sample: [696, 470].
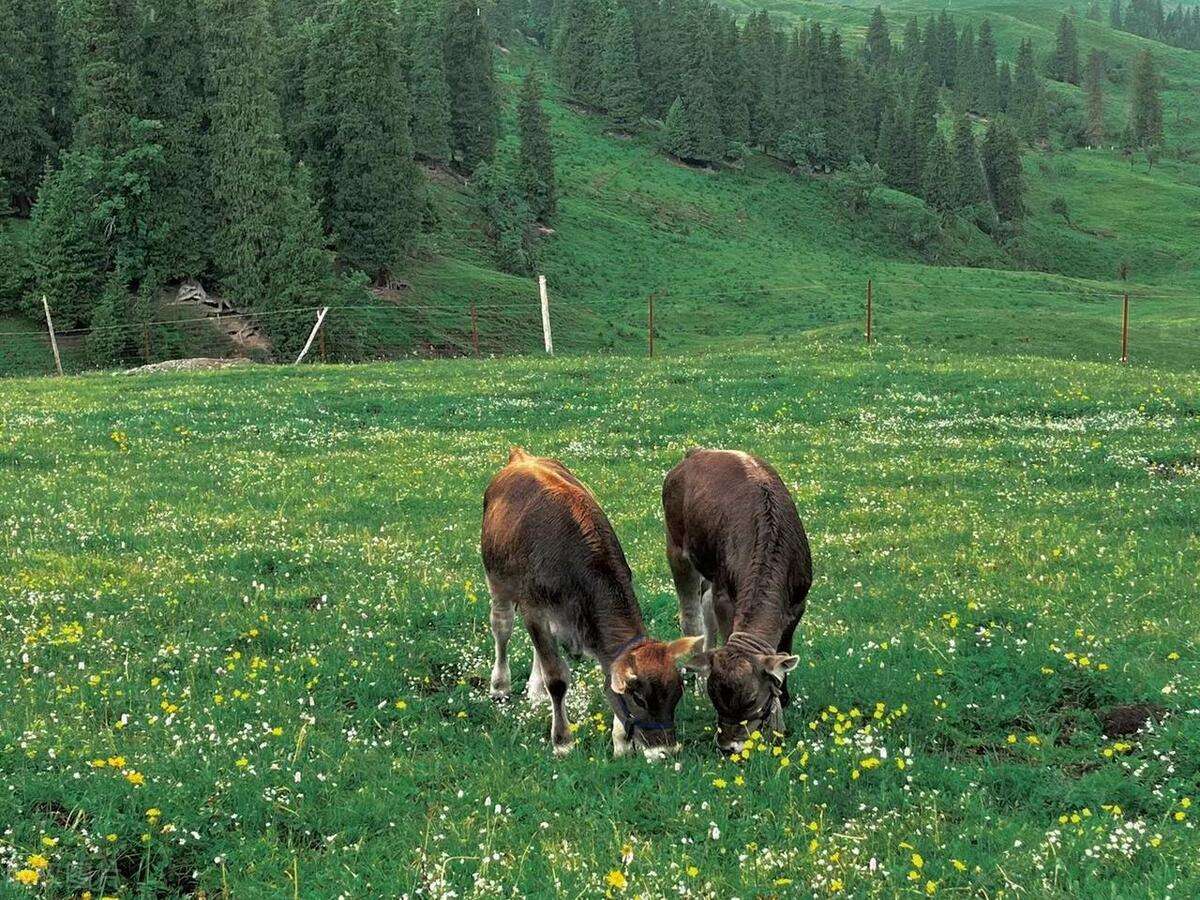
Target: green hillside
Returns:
[756, 252]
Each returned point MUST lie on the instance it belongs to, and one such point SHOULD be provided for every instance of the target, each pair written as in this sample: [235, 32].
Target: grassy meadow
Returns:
[246, 633]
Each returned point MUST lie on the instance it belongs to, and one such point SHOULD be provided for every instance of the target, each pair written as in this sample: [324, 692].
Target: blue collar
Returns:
[630, 723]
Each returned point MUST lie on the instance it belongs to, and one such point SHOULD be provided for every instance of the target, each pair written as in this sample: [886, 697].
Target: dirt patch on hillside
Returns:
[198, 364]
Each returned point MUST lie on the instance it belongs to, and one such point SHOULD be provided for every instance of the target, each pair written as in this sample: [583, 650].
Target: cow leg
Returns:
[785, 646]
[688, 585]
[555, 675]
[711, 631]
[502, 626]
[535, 688]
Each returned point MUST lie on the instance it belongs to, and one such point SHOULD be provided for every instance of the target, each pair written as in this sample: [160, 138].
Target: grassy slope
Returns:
[1003, 547]
[759, 252]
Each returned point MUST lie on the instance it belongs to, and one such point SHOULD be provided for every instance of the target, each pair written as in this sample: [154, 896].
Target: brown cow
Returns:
[742, 569]
[550, 552]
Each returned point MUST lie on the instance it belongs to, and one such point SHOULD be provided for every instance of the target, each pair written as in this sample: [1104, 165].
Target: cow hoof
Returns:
[501, 694]
[564, 749]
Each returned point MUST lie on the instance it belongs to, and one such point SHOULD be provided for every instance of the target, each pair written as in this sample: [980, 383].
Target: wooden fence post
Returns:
[474, 329]
[546, 335]
[1125, 330]
[316, 328]
[53, 339]
[650, 328]
[870, 298]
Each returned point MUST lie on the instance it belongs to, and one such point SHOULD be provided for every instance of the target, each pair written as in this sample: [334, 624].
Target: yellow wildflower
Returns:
[616, 878]
[37, 861]
[26, 876]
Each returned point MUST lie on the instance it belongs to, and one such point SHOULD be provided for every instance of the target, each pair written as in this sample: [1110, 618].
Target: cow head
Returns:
[645, 687]
[745, 689]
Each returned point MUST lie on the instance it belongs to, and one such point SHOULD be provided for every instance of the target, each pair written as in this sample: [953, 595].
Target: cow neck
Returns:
[617, 621]
[749, 643]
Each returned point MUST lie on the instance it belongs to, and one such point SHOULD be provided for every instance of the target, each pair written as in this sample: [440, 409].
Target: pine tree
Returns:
[1028, 101]
[964, 67]
[705, 141]
[911, 50]
[268, 246]
[373, 206]
[470, 77]
[986, 92]
[430, 95]
[1146, 110]
[878, 51]
[1094, 13]
[947, 44]
[579, 50]
[731, 87]
[25, 142]
[1004, 87]
[969, 187]
[938, 177]
[173, 89]
[1064, 64]
[1114, 15]
[923, 120]
[1094, 89]
[1002, 167]
[623, 97]
[106, 92]
[536, 159]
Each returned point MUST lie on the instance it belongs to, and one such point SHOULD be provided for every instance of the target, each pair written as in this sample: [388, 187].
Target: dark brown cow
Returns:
[742, 569]
[550, 552]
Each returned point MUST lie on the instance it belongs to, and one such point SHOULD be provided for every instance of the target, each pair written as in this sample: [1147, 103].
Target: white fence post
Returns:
[549, 338]
[53, 339]
[316, 328]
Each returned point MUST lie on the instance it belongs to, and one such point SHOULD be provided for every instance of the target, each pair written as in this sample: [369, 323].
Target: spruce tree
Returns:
[878, 50]
[947, 44]
[911, 50]
[1064, 64]
[1002, 167]
[622, 94]
[705, 141]
[1114, 15]
[174, 95]
[430, 95]
[25, 142]
[106, 91]
[923, 119]
[1146, 110]
[536, 160]
[938, 177]
[964, 67]
[969, 187]
[579, 50]
[986, 89]
[1028, 101]
[1094, 90]
[268, 246]
[1094, 13]
[471, 79]
[373, 206]
[1004, 87]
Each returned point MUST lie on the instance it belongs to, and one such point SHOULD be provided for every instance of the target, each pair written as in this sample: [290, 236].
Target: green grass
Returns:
[261, 590]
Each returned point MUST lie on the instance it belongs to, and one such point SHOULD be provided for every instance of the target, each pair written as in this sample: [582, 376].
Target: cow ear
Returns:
[621, 677]
[777, 665]
[683, 649]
